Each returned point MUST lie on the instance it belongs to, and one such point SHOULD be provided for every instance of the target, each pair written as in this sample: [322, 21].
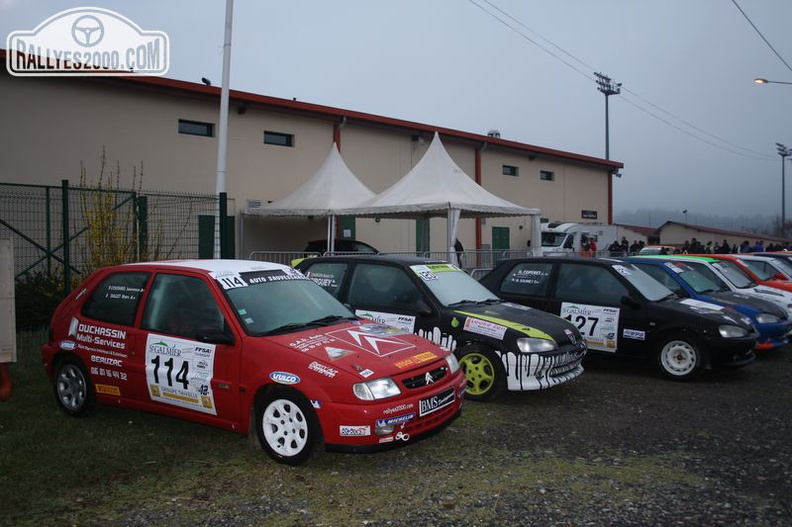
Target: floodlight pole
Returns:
[222, 131]
[784, 152]
[607, 87]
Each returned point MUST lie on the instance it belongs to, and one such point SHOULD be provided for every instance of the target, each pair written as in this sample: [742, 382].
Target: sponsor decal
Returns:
[108, 361]
[316, 403]
[323, 280]
[571, 335]
[416, 359]
[674, 267]
[106, 389]
[400, 408]
[634, 334]
[435, 402]
[397, 420]
[282, 377]
[597, 324]
[354, 431]
[622, 270]
[404, 322]
[337, 353]
[310, 342]
[101, 336]
[516, 326]
[367, 338]
[388, 439]
[173, 373]
[322, 369]
[484, 327]
[67, 345]
[87, 41]
[106, 372]
[366, 373]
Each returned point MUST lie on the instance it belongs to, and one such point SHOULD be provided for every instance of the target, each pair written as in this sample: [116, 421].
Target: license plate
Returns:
[435, 402]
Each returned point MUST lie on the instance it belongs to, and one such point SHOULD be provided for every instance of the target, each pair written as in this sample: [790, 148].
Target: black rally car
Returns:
[500, 345]
[623, 311]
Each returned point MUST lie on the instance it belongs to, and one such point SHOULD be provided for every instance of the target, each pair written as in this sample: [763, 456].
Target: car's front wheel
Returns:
[287, 427]
[73, 388]
[680, 357]
[486, 378]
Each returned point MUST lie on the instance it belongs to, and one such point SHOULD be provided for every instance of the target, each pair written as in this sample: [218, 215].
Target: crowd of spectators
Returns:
[693, 246]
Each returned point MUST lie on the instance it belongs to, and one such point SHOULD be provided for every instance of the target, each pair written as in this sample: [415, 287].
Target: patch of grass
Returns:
[125, 466]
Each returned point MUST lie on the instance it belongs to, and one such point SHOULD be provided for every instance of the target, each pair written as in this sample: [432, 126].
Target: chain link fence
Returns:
[60, 234]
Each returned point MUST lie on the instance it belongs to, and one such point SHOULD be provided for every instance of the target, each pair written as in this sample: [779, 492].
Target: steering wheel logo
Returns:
[87, 31]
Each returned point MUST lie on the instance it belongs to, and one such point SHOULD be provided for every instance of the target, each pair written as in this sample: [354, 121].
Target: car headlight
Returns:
[376, 389]
[732, 332]
[767, 318]
[534, 345]
[453, 363]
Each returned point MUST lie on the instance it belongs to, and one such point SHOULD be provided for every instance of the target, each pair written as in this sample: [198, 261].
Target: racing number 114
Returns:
[181, 375]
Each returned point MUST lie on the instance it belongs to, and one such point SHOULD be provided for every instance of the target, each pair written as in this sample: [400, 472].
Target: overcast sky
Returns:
[692, 129]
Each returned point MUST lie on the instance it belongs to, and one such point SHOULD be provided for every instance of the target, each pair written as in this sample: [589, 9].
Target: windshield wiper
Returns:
[291, 326]
[330, 319]
[460, 302]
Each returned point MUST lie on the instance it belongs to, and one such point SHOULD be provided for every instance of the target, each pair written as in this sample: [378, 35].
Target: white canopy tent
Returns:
[436, 186]
[334, 186]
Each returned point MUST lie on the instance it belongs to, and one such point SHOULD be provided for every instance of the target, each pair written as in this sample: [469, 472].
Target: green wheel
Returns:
[484, 372]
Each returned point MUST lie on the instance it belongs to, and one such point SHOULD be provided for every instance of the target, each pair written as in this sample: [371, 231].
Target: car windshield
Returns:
[699, 277]
[762, 270]
[783, 265]
[269, 303]
[645, 284]
[734, 274]
[452, 286]
[552, 239]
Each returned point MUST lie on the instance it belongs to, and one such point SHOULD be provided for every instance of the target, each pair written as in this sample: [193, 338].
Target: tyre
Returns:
[679, 357]
[287, 427]
[73, 388]
[486, 378]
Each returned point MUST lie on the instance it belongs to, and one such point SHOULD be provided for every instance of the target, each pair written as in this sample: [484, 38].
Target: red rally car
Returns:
[235, 344]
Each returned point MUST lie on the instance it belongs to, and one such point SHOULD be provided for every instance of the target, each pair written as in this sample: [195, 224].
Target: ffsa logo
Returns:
[87, 41]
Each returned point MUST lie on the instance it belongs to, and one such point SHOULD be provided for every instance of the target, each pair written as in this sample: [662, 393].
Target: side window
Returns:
[382, 286]
[329, 276]
[181, 305]
[662, 277]
[116, 299]
[589, 284]
[528, 279]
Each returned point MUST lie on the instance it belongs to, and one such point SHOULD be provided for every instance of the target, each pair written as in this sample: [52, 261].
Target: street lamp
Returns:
[765, 81]
[608, 87]
[784, 152]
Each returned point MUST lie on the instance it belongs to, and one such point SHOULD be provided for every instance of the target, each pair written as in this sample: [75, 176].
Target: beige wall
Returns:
[51, 124]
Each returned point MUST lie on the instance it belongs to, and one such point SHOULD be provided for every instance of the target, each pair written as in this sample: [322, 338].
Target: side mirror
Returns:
[630, 302]
[422, 308]
[780, 276]
[214, 336]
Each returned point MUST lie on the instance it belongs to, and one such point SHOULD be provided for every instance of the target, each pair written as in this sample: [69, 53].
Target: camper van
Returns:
[563, 239]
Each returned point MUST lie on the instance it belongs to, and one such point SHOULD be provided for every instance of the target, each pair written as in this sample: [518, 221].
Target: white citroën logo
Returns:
[428, 379]
[88, 31]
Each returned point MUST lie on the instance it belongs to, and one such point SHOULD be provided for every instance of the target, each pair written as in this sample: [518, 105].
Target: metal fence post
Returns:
[223, 224]
[142, 217]
[66, 237]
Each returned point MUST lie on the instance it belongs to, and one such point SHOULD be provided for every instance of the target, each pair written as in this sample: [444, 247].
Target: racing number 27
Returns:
[181, 375]
[585, 325]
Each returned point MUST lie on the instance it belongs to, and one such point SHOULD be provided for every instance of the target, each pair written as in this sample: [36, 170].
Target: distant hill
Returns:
[656, 217]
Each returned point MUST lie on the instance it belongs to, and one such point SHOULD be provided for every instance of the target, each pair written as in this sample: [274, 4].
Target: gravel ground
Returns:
[618, 446]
